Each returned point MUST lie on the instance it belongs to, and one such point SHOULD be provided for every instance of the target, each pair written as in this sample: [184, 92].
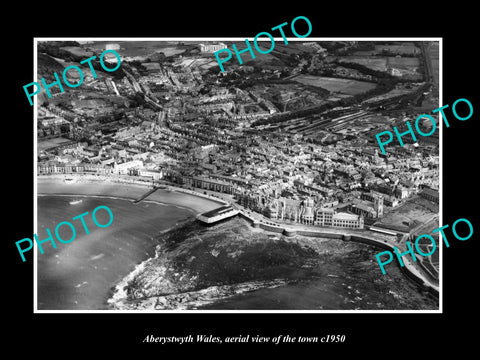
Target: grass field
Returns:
[403, 48]
[169, 51]
[291, 48]
[397, 91]
[397, 48]
[374, 63]
[45, 144]
[344, 86]
[77, 51]
[414, 212]
[408, 63]
[136, 48]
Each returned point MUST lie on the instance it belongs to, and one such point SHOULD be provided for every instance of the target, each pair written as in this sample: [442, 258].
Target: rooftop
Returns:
[218, 211]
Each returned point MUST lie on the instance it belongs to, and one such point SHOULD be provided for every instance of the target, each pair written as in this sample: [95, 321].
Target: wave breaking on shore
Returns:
[189, 300]
[195, 266]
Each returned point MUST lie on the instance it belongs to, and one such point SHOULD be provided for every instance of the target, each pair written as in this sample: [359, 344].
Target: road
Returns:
[382, 240]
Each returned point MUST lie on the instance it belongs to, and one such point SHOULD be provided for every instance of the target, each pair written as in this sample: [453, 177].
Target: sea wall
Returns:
[197, 193]
[89, 185]
[289, 231]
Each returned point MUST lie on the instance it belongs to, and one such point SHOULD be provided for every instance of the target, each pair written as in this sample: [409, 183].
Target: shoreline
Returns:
[94, 186]
[75, 272]
[366, 237]
[116, 293]
[151, 294]
[104, 186]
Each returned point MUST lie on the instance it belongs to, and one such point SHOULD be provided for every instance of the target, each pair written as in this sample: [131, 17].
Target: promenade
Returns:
[387, 242]
[212, 200]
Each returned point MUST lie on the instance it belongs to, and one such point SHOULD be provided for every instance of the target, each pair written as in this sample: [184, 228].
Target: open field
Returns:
[410, 215]
[401, 48]
[45, 144]
[77, 51]
[406, 65]
[374, 63]
[397, 91]
[138, 48]
[345, 86]
[397, 48]
[403, 62]
[291, 48]
[169, 51]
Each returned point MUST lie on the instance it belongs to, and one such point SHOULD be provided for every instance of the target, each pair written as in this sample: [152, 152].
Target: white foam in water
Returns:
[194, 299]
[120, 295]
[96, 257]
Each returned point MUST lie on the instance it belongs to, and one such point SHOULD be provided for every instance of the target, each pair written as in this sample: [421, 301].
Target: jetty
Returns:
[148, 193]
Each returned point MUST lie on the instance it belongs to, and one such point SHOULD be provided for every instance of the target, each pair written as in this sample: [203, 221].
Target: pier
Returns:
[148, 193]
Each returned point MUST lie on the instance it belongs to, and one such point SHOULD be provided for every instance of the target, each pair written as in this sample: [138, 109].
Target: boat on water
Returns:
[69, 180]
[75, 202]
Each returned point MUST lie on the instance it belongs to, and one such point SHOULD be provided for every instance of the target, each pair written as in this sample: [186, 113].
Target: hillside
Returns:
[47, 66]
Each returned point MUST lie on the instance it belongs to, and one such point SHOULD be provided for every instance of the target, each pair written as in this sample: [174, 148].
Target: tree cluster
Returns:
[53, 48]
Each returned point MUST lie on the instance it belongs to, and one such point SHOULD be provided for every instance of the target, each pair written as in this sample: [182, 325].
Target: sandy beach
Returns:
[84, 274]
[104, 186]
[80, 275]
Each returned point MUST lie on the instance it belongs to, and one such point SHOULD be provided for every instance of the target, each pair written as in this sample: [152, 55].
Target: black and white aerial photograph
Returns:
[212, 179]
[259, 187]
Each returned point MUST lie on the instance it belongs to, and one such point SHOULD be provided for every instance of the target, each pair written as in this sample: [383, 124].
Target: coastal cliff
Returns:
[199, 267]
[193, 262]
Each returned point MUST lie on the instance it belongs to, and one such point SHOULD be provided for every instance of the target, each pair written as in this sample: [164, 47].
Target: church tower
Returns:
[378, 206]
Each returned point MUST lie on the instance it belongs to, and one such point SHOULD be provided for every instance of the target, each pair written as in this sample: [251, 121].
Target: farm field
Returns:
[403, 48]
[403, 62]
[397, 91]
[374, 63]
[404, 66]
[139, 48]
[77, 51]
[292, 47]
[48, 143]
[169, 51]
[344, 86]
[400, 48]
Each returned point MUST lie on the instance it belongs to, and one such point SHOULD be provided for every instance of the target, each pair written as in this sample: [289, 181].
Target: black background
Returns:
[368, 335]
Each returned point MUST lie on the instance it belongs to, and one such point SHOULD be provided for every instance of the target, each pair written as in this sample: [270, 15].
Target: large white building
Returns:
[211, 48]
[112, 47]
[126, 166]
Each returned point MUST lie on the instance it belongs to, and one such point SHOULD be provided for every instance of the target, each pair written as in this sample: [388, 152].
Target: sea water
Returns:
[83, 274]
